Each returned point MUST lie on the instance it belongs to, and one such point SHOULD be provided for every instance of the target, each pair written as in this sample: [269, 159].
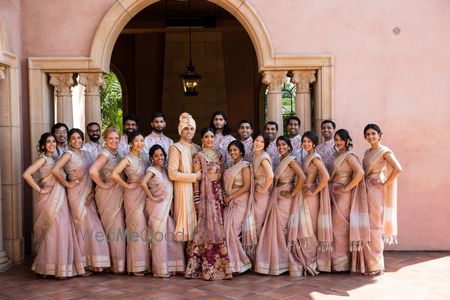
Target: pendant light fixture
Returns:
[190, 78]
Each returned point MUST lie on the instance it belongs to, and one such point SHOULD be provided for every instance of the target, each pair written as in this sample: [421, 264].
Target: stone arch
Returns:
[123, 11]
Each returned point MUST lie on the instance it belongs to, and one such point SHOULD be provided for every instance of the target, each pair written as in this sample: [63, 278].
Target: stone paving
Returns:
[409, 275]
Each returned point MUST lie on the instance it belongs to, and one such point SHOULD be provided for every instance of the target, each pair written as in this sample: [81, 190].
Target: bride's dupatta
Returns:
[209, 225]
[390, 205]
[272, 255]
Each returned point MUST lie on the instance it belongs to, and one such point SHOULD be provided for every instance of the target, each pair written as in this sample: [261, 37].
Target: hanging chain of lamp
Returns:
[190, 78]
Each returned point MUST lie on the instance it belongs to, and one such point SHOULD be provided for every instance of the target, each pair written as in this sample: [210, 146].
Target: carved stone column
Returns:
[62, 83]
[5, 262]
[303, 79]
[274, 79]
[92, 82]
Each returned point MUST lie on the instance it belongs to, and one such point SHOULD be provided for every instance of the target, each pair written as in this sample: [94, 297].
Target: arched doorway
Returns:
[153, 50]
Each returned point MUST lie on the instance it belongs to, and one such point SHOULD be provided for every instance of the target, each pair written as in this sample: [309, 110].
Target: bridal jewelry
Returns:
[211, 154]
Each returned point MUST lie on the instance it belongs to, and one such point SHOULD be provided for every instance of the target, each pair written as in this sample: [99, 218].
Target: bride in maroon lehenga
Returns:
[207, 252]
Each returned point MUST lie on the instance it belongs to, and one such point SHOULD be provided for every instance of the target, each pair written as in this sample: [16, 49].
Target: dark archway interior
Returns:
[153, 50]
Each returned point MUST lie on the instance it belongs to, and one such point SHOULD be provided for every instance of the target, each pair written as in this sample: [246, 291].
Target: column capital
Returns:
[2, 73]
[303, 78]
[92, 82]
[274, 79]
[62, 83]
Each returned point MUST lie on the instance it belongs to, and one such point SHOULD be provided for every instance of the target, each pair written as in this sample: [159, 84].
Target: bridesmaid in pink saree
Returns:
[381, 172]
[133, 165]
[239, 215]
[80, 194]
[207, 252]
[351, 231]
[58, 252]
[109, 199]
[272, 254]
[262, 170]
[315, 211]
[167, 254]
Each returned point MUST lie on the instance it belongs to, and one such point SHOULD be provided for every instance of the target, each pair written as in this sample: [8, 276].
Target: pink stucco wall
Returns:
[399, 81]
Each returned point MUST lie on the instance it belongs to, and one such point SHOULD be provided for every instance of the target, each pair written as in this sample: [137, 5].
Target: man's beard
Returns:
[94, 138]
[158, 130]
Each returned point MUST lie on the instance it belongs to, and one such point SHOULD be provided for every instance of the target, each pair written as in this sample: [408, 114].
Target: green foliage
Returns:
[111, 103]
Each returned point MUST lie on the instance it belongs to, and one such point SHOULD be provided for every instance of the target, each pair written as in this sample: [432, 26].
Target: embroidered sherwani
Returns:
[326, 151]
[248, 146]
[93, 149]
[274, 155]
[123, 147]
[181, 173]
[221, 144]
[160, 139]
[296, 142]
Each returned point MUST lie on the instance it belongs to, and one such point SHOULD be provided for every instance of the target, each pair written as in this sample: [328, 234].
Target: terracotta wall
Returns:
[399, 81]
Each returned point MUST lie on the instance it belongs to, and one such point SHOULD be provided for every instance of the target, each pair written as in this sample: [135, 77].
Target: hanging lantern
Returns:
[190, 80]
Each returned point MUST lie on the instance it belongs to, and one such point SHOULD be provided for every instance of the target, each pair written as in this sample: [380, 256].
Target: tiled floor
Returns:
[409, 275]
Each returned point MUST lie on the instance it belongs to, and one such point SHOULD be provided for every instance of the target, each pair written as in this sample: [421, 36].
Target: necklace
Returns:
[209, 153]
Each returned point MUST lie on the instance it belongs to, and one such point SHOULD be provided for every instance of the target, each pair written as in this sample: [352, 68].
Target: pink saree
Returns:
[272, 255]
[261, 200]
[350, 217]
[90, 233]
[238, 218]
[382, 209]
[138, 254]
[167, 254]
[312, 239]
[110, 207]
[58, 252]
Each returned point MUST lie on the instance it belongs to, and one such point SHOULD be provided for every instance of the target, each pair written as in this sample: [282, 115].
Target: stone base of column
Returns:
[5, 263]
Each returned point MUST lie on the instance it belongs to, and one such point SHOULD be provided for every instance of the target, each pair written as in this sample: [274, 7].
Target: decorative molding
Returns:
[303, 79]
[274, 79]
[92, 82]
[62, 83]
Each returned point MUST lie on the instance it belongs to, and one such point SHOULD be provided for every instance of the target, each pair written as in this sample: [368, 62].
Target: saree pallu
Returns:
[90, 233]
[167, 253]
[272, 255]
[351, 231]
[138, 254]
[58, 252]
[382, 202]
[238, 220]
[261, 200]
[110, 207]
[340, 212]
